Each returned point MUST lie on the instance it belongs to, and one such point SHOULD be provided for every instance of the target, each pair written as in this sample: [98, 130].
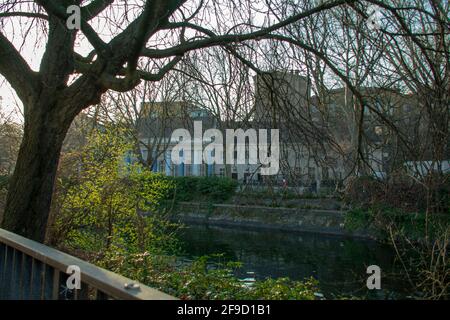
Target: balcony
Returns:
[32, 271]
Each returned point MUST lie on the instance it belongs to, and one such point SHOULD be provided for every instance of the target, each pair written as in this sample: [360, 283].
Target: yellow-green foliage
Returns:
[102, 204]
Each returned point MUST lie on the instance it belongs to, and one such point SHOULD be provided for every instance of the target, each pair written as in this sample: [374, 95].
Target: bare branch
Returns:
[23, 14]
[16, 70]
[235, 38]
[94, 8]
[53, 8]
[156, 77]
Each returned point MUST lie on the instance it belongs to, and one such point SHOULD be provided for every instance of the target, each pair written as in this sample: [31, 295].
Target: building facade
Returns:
[314, 154]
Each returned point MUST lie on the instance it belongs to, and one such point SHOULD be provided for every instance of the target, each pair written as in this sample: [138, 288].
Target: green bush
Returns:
[401, 192]
[210, 189]
[420, 240]
[205, 279]
[102, 204]
[385, 222]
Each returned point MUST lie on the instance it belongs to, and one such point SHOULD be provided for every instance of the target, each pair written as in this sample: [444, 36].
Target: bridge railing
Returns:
[32, 271]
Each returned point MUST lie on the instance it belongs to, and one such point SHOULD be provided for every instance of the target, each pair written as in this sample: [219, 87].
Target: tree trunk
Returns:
[31, 187]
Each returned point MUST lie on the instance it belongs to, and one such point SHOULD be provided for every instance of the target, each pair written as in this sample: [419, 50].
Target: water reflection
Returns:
[339, 263]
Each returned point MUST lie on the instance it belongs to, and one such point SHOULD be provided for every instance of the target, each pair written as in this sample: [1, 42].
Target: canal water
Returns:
[338, 263]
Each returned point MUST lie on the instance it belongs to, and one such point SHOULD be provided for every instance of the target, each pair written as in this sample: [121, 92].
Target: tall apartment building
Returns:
[277, 93]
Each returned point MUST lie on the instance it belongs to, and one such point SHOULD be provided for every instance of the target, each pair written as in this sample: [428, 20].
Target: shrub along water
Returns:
[412, 217]
[202, 189]
[209, 189]
[420, 240]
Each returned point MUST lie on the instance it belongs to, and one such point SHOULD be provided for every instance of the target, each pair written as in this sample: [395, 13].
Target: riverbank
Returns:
[338, 263]
[263, 217]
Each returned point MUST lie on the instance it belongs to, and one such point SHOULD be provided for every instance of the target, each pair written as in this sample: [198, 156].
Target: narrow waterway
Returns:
[339, 263]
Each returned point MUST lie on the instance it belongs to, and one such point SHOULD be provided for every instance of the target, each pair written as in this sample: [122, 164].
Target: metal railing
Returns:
[32, 271]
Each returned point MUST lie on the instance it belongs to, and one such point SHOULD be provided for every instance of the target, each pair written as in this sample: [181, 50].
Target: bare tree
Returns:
[148, 114]
[68, 82]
